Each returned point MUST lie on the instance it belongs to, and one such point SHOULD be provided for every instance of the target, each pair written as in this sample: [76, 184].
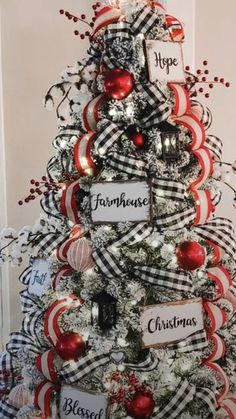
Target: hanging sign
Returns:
[114, 202]
[165, 61]
[77, 403]
[40, 277]
[173, 322]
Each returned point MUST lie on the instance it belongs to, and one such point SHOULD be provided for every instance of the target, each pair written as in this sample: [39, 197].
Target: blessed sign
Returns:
[76, 403]
[40, 277]
[171, 322]
[165, 61]
[114, 202]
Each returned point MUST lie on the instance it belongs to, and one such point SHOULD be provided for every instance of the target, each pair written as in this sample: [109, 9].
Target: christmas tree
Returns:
[129, 301]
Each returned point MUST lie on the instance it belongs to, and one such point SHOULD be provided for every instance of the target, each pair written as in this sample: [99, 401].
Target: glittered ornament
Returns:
[138, 140]
[141, 406]
[118, 84]
[70, 346]
[190, 255]
[79, 255]
[19, 396]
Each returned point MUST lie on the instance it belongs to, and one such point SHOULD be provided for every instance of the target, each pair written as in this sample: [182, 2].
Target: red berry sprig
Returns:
[39, 188]
[201, 77]
[82, 19]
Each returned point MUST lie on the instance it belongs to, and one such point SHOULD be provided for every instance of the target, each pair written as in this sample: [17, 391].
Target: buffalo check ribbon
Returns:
[183, 396]
[19, 339]
[6, 365]
[50, 204]
[7, 411]
[196, 342]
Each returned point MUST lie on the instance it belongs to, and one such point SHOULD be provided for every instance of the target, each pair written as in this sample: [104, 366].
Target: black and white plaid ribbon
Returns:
[6, 381]
[208, 397]
[149, 364]
[184, 395]
[117, 30]
[196, 342]
[21, 339]
[28, 302]
[165, 277]
[95, 52]
[24, 278]
[145, 20]
[168, 189]
[49, 242]
[221, 232]
[52, 168]
[73, 372]
[7, 411]
[105, 139]
[135, 234]
[50, 204]
[176, 221]
[129, 165]
[215, 145]
[30, 322]
[107, 263]
[156, 99]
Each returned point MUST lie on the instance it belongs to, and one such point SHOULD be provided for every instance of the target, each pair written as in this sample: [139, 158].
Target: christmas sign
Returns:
[173, 322]
[114, 202]
[40, 277]
[165, 61]
[77, 403]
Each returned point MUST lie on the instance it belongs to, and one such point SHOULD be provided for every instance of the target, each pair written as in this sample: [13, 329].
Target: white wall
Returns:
[37, 45]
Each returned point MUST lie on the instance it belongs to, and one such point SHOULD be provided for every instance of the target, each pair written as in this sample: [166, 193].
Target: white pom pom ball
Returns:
[79, 255]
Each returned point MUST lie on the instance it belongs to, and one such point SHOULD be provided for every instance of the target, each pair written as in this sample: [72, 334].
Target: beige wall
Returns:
[38, 44]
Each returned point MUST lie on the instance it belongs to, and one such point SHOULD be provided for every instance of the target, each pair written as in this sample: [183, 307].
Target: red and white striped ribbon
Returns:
[175, 28]
[61, 251]
[219, 348]
[52, 330]
[182, 100]
[90, 113]
[83, 154]
[224, 378]
[228, 407]
[43, 397]
[218, 253]
[205, 161]
[221, 277]
[231, 297]
[195, 127]
[45, 364]
[204, 206]
[159, 5]
[217, 317]
[68, 201]
[61, 274]
[105, 17]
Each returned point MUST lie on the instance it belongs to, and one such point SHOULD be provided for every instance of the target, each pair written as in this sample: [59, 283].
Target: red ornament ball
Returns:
[118, 84]
[141, 406]
[190, 255]
[70, 346]
[138, 140]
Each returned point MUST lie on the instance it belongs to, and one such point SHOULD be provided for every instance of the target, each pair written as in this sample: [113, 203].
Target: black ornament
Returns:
[104, 310]
[170, 138]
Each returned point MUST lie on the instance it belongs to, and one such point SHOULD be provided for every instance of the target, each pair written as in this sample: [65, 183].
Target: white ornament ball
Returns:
[19, 396]
[79, 255]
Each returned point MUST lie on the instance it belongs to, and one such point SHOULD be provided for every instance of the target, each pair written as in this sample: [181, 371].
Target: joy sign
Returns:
[165, 61]
[77, 403]
[171, 322]
[114, 202]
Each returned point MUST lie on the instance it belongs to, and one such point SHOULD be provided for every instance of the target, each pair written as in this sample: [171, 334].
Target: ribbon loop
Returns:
[165, 277]
[69, 206]
[168, 189]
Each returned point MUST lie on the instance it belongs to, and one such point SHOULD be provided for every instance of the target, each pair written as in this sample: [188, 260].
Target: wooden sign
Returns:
[114, 202]
[40, 277]
[173, 322]
[165, 61]
[77, 403]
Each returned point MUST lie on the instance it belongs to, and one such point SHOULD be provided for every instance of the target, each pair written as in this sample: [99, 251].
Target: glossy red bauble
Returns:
[118, 84]
[141, 406]
[138, 140]
[70, 346]
[190, 255]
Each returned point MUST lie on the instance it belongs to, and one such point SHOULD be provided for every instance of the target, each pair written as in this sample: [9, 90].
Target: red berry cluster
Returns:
[133, 383]
[39, 188]
[82, 18]
[202, 78]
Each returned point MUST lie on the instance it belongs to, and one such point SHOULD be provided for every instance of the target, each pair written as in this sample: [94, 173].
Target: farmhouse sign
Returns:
[40, 277]
[165, 61]
[77, 403]
[171, 322]
[114, 202]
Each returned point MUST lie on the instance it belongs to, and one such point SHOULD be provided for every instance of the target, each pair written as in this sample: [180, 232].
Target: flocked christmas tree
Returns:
[129, 296]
